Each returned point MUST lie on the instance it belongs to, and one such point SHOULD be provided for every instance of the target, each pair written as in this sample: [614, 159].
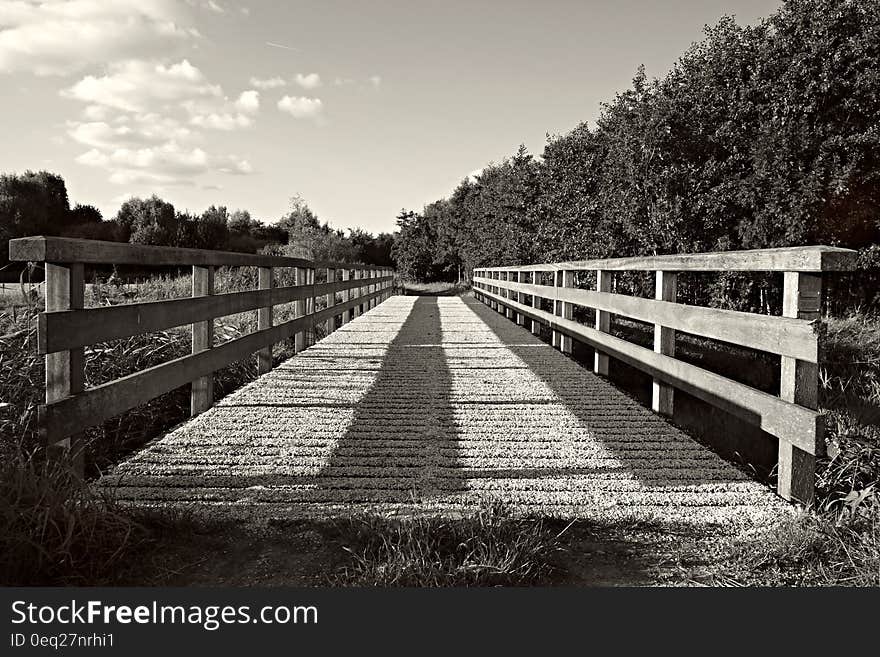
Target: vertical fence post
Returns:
[310, 306]
[662, 395]
[567, 312]
[65, 290]
[264, 321]
[603, 321]
[330, 300]
[536, 301]
[520, 318]
[356, 311]
[346, 296]
[799, 384]
[556, 336]
[372, 289]
[202, 393]
[299, 309]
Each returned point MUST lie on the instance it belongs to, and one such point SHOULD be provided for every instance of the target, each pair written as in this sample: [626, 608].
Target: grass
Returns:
[488, 548]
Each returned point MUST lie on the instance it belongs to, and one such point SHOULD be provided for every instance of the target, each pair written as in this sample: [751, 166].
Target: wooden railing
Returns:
[67, 327]
[791, 417]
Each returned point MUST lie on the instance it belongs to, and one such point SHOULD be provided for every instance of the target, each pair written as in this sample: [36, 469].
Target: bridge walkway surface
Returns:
[436, 404]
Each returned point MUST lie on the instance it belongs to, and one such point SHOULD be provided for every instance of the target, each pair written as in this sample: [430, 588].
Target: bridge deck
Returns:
[429, 403]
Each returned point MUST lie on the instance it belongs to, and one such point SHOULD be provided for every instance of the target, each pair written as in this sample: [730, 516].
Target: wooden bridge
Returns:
[413, 403]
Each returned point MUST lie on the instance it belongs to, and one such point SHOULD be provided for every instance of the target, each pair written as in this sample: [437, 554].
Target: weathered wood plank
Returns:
[70, 250]
[778, 335]
[788, 422]
[798, 258]
[662, 395]
[63, 330]
[202, 394]
[264, 321]
[603, 322]
[65, 289]
[799, 384]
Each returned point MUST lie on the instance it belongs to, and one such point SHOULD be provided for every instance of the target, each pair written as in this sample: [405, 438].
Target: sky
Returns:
[361, 107]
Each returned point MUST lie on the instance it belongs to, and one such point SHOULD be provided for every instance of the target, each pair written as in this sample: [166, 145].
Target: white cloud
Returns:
[308, 80]
[248, 102]
[62, 36]
[301, 107]
[376, 80]
[143, 119]
[137, 86]
[269, 83]
[167, 163]
[221, 121]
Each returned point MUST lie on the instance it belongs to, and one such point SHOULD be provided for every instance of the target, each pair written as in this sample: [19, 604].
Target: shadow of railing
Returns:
[646, 446]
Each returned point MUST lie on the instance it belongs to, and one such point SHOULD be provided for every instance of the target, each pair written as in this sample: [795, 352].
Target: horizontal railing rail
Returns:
[66, 327]
[792, 417]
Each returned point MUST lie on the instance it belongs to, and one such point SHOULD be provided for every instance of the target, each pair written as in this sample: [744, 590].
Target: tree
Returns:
[149, 221]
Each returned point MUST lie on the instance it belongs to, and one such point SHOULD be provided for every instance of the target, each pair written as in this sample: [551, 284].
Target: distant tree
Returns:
[31, 204]
[149, 221]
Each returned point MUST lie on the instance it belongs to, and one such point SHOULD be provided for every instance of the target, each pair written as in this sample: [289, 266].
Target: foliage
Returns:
[759, 136]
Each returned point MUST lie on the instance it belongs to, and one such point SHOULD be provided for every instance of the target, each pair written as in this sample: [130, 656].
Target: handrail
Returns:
[66, 327]
[91, 252]
[796, 259]
[792, 416]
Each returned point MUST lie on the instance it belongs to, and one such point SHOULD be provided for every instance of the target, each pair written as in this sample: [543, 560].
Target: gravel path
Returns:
[434, 403]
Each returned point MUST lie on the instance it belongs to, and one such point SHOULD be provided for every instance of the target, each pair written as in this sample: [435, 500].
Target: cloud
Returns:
[248, 102]
[376, 80]
[269, 83]
[144, 121]
[222, 121]
[167, 163]
[102, 135]
[301, 107]
[308, 81]
[63, 36]
[137, 85]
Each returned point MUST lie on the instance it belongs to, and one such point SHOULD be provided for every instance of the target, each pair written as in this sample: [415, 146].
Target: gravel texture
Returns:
[435, 404]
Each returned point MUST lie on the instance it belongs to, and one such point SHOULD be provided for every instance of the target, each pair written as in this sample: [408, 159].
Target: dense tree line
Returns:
[37, 204]
[759, 136]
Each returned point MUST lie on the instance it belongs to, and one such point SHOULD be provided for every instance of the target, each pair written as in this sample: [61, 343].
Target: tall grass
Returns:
[488, 548]
[55, 528]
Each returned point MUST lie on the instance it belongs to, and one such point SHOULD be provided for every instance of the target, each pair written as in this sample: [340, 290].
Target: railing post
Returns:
[346, 296]
[264, 321]
[299, 309]
[202, 393]
[65, 290]
[330, 300]
[356, 311]
[662, 395]
[310, 306]
[520, 318]
[372, 288]
[556, 336]
[536, 303]
[799, 384]
[567, 312]
[603, 321]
